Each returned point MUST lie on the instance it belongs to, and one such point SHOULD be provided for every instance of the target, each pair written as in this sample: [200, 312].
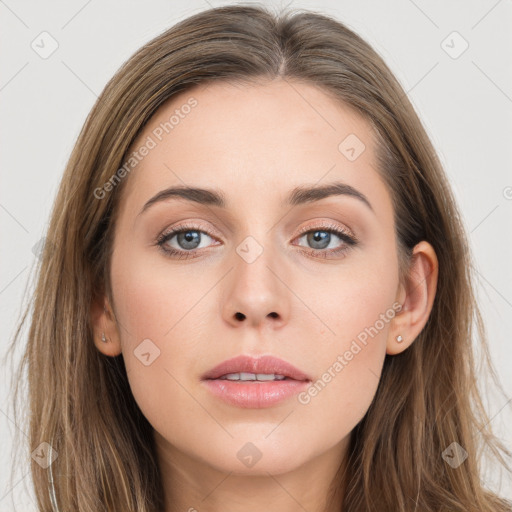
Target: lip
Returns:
[264, 364]
[255, 394]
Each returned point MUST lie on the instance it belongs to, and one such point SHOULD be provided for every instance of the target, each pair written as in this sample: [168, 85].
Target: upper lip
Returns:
[248, 364]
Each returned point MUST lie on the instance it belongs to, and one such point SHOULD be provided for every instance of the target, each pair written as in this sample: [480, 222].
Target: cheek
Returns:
[156, 329]
[358, 308]
[164, 314]
[151, 298]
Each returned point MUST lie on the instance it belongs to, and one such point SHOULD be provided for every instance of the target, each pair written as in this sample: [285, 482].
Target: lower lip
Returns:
[255, 394]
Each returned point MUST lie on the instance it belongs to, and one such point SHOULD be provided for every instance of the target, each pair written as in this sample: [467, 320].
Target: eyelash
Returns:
[348, 239]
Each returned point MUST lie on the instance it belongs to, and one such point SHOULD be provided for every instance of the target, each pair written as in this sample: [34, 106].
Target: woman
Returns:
[256, 291]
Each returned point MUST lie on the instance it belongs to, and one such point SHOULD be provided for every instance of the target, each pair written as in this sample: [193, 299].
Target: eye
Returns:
[183, 240]
[328, 237]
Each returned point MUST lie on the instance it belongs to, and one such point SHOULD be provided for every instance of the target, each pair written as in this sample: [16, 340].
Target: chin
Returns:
[257, 458]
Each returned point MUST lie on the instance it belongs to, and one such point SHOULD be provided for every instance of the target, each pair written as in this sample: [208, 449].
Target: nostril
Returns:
[239, 316]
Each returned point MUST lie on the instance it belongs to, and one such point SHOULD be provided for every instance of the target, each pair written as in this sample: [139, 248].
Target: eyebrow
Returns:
[299, 195]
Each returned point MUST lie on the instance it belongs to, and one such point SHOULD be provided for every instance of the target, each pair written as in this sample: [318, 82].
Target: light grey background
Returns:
[464, 102]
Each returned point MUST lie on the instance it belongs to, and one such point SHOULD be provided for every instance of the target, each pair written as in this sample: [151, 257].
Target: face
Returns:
[312, 280]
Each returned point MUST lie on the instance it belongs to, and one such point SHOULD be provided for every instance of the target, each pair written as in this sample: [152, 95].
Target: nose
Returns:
[256, 294]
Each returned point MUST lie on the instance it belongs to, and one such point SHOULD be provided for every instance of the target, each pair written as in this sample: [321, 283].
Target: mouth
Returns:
[250, 383]
[245, 368]
[252, 377]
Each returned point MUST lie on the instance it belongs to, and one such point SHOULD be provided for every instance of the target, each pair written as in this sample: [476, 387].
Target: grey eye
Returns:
[319, 239]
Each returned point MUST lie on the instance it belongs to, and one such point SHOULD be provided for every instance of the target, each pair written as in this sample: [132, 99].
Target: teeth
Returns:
[252, 376]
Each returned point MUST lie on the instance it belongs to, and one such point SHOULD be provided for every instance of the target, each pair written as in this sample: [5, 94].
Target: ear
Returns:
[416, 297]
[103, 322]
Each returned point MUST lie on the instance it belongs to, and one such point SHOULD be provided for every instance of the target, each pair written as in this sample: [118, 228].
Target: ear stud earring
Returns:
[399, 339]
[103, 339]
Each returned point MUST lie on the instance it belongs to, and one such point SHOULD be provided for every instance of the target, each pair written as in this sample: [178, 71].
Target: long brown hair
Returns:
[79, 401]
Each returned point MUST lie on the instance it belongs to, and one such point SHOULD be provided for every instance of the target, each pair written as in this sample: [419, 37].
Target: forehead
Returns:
[255, 141]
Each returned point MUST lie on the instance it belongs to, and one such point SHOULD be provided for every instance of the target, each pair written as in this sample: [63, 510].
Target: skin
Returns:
[255, 143]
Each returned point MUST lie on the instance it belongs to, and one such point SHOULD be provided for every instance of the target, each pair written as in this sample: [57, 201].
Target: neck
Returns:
[195, 486]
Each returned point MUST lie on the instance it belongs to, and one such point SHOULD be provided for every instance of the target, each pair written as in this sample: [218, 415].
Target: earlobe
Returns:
[105, 333]
[420, 292]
